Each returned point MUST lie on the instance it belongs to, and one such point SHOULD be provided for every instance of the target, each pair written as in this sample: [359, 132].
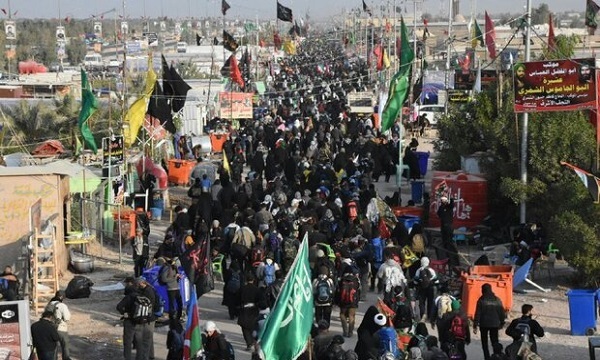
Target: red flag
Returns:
[234, 71]
[378, 52]
[551, 39]
[384, 231]
[490, 36]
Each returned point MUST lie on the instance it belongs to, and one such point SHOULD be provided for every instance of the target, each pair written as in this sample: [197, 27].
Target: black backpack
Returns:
[425, 278]
[235, 282]
[142, 310]
[324, 292]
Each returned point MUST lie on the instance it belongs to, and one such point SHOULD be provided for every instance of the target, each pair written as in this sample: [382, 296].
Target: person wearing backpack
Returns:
[388, 338]
[525, 328]
[62, 315]
[265, 272]
[234, 278]
[454, 326]
[175, 339]
[137, 309]
[215, 346]
[424, 280]
[489, 316]
[390, 274]
[348, 297]
[442, 306]
[377, 246]
[323, 292]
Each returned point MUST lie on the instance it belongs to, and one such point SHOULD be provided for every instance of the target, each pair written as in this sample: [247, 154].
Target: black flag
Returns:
[284, 13]
[229, 42]
[215, 41]
[224, 7]
[366, 9]
[180, 90]
[159, 109]
[166, 75]
[198, 39]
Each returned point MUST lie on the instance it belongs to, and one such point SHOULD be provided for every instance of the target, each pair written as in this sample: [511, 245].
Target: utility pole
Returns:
[448, 51]
[524, 124]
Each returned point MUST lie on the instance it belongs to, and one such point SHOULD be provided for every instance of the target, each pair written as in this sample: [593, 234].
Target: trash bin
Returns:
[416, 188]
[583, 311]
[423, 161]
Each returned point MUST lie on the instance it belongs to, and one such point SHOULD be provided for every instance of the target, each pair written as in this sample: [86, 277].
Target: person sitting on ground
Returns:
[10, 291]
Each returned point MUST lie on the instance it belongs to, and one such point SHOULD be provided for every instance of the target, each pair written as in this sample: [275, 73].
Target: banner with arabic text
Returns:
[235, 105]
[555, 85]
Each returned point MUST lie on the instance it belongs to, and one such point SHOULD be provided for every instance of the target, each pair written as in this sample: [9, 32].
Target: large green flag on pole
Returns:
[287, 329]
[400, 85]
[89, 105]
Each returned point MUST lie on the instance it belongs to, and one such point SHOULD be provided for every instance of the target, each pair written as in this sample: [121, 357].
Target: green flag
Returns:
[400, 84]
[476, 35]
[287, 329]
[89, 105]
[407, 54]
[249, 27]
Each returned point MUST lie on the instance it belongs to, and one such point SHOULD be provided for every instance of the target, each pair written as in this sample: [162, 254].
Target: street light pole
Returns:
[524, 124]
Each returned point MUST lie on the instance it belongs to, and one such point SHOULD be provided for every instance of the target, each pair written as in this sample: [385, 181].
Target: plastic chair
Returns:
[440, 266]
[217, 265]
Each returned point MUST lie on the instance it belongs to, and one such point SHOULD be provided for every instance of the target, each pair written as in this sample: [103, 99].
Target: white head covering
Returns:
[424, 261]
[210, 326]
[380, 319]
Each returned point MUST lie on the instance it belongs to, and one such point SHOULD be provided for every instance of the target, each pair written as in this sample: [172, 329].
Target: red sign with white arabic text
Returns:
[555, 85]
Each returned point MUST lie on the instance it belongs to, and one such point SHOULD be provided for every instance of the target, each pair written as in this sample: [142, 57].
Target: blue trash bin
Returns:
[416, 188]
[409, 221]
[583, 311]
[423, 161]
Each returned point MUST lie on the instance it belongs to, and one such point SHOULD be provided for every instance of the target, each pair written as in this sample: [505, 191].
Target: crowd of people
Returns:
[308, 166]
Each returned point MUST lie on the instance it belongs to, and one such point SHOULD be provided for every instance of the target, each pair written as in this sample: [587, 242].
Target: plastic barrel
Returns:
[416, 188]
[582, 311]
[423, 161]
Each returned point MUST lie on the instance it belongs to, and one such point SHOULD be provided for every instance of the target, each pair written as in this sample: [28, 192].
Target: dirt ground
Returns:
[96, 331]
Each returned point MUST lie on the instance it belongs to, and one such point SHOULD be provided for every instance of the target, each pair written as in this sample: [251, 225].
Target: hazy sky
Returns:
[251, 8]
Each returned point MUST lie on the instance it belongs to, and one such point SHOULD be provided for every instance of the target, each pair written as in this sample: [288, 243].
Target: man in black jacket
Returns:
[45, 336]
[525, 327]
[446, 213]
[489, 316]
[143, 330]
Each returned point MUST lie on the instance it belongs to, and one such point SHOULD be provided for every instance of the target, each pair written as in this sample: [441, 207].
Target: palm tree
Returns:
[31, 122]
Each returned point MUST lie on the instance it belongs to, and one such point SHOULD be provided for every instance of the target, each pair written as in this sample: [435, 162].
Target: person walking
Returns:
[323, 294]
[62, 315]
[446, 213]
[348, 297]
[525, 328]
[489, 317]
[141, 251]
[250, 296]
[424, 280]
[45, 336]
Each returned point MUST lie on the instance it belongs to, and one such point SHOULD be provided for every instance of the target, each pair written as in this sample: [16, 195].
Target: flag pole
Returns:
[524, 125]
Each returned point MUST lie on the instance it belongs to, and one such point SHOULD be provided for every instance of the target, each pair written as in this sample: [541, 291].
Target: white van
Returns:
[181, 47]
[431, 112]
[93, 61]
